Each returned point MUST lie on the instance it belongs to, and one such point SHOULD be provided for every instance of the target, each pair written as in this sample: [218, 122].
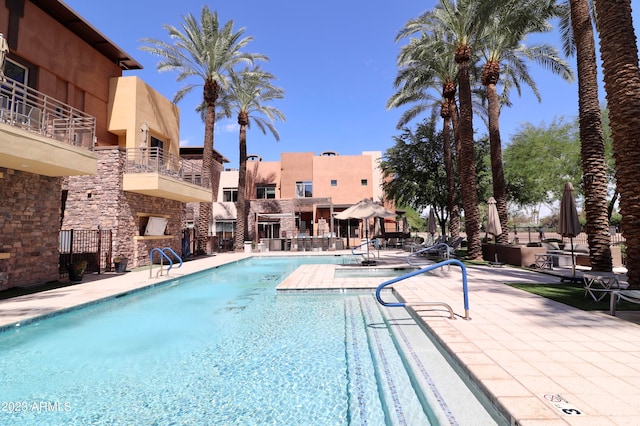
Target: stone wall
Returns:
[99, 201]
[29, 228]
[287, 224]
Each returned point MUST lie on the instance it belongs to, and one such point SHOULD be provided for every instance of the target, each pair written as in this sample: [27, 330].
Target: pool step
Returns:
[401, 403]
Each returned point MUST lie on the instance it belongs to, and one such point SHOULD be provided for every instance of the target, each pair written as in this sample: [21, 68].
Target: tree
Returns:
[426, 64]
[539, 160]
[209, 52]
[619, 53]
[249, 93]
[414, 171]
[592, 145]
[463, 21]
[502, 49]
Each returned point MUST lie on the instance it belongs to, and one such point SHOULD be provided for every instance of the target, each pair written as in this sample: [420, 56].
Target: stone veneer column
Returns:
[29, 228]
[99, 201]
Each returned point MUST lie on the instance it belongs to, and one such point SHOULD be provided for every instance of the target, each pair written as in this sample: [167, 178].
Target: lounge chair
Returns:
[632, 296]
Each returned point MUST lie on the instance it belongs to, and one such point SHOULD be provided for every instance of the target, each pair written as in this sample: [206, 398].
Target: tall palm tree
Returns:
[208, 51]
[249, 93]
[502, 49]
[619, 53]
[463, 21]
[425, 64]
[578, 26]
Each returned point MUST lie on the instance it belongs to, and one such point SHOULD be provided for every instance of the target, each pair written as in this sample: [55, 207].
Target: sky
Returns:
[335, 60]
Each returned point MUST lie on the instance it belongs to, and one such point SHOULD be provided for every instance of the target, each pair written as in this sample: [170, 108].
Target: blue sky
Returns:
[336, 61]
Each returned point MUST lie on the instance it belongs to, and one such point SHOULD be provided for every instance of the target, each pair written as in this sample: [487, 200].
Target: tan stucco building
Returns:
[82, 147]
[299, 195]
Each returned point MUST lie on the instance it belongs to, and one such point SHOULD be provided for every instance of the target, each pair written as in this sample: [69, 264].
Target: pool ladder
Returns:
[422, 271]
[163, 256]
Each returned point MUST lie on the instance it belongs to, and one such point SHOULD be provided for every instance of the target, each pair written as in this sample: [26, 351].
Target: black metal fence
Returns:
[530, 234]
[94, 246]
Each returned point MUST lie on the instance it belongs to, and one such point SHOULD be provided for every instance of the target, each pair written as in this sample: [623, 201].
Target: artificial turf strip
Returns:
[573, 295]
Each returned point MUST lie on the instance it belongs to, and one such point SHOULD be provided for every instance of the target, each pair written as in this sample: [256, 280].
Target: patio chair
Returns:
[632, 296]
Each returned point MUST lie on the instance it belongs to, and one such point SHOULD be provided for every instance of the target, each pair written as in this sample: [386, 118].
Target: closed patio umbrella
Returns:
[493, 222]
[432, 226]
[569, 225]
[364, 209]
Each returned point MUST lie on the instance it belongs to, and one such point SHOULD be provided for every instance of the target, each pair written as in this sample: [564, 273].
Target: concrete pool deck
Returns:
[532, 356]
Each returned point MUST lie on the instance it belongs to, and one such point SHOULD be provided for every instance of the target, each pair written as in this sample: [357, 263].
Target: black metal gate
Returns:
[94, 246]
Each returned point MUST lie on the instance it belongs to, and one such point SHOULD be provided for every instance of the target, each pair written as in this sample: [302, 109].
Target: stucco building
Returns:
[299, 195]
[83, 147]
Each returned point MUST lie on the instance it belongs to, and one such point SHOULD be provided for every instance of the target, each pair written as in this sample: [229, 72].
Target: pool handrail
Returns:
[175, 254]
[421, 271]
[162, 254]
[426, 249]
[365, 254]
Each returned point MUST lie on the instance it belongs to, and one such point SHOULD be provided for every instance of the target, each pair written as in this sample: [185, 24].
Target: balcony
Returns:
[155, 172]
[42, 135]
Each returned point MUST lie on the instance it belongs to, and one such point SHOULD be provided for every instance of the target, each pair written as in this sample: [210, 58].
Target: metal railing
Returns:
[92, 245]
[163, 256]
[157, 160]
[28, 109]
[421, 271]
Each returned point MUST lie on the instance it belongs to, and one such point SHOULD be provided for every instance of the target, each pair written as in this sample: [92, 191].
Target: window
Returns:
[16, 71]
[334, 182]
[304, 189]
[230, 194]
[266, 191]
[363, 182]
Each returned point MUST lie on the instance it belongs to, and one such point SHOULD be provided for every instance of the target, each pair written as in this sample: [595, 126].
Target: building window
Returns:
[266, 191]
[334, 182]
[304, 189]
[363, 182]
[16, 72]
[230, 194]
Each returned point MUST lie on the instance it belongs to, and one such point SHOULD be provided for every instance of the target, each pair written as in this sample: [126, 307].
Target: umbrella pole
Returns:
[573, 259]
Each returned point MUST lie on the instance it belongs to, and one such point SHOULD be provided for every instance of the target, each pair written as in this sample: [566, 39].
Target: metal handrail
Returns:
[162, 255]
[422, 271]
[29, 109]
[157, 160]
[175, 254]
[426, 249]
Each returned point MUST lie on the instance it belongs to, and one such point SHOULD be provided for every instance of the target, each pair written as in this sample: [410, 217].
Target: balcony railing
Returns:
[156, 160]
[26, 108]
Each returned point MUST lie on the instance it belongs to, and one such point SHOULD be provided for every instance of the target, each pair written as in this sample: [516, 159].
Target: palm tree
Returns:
[209, 51]
[592, 147]
[425, 64]
[619, 54]
[249, 93]
[502, 49]
[463, 21]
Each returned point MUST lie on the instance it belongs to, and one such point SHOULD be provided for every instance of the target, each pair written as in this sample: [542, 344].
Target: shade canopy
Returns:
[432, 226]
[493, 220]
[569, 225]
[364, 209]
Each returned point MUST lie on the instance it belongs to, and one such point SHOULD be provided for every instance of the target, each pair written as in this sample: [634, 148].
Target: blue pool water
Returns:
[216, 348]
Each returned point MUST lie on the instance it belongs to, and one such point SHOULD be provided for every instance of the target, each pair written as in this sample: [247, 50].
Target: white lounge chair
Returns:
[632, 296]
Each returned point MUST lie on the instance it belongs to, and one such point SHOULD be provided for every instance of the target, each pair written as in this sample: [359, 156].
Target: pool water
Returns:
[215, 348]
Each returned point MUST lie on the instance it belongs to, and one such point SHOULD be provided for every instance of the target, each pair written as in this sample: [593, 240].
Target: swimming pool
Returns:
[217, 347]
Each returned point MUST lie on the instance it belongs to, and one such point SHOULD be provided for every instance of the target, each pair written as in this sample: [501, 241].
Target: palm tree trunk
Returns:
[210, 95]
[497, 167]
[619, 54]
[452, 205]
[454, 224]
[468, 184]
[592, 145]
[241, 217]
